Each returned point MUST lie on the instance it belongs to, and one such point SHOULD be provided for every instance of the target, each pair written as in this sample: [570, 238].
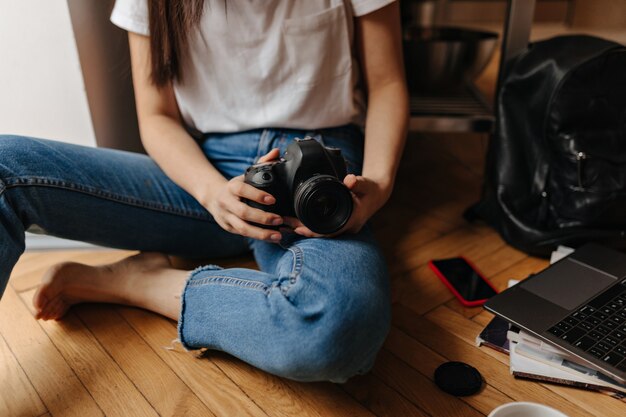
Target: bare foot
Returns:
[125, 282]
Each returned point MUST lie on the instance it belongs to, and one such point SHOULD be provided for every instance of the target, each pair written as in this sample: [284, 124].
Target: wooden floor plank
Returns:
[269, 392]
[421, 233]
[418, 389]
[322, 399]
[203, 377]
[483, 318]
[497, 261]
[328, 399]
[470, 241]
[380, 398]
[98, 372]
[426, 361]
[18, 397]
[167, 393]
[468, 150]
[387, 219]
[57, 385]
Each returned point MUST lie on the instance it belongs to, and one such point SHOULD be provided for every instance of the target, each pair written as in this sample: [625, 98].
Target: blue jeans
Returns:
[319, 309]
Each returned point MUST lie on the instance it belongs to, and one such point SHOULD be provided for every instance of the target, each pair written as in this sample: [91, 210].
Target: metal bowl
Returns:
[441, 59]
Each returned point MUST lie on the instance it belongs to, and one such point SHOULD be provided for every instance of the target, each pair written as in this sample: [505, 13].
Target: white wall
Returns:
[41, 85]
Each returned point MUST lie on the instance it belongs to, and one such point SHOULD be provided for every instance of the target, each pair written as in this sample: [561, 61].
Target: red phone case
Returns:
[462, 300]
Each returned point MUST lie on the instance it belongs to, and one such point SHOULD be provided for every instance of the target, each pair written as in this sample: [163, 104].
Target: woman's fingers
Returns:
[254, 215]
[355, 183]
[300, 228]
[292, 222]
[243, 190]
[270, 156]
[246, 229]
[235, 216]
[350, 181]
[306, 232]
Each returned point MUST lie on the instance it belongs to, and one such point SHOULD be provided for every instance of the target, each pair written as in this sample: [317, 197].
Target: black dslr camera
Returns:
[307, 183]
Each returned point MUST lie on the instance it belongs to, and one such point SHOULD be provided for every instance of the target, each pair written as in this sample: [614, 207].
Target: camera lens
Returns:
[323, 204]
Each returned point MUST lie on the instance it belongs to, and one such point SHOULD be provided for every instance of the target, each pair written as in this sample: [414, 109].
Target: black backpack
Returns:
[556, 164]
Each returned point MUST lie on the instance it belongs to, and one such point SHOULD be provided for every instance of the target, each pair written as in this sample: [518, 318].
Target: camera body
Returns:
[307, 183]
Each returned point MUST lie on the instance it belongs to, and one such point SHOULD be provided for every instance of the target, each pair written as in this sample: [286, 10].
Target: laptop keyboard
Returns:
[599, 327]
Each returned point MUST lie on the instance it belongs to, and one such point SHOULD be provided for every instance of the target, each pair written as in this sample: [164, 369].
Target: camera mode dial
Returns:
[263, 176]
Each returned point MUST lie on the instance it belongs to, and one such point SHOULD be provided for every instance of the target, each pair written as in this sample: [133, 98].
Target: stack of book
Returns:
[532, 358]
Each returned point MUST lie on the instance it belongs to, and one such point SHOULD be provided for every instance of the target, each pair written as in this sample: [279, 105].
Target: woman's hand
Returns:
[235, 216]
[367, 196]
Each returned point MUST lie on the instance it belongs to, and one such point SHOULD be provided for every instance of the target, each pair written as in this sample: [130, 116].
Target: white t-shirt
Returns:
[267, 63]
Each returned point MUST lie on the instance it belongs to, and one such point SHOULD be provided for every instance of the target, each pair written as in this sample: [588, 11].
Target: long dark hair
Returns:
[170, 23]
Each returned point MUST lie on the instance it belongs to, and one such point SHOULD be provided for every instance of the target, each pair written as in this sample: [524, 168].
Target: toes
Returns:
[45, 311]
[50, 285]
[59, 311]
[52, 309]
[49, 310]
[47, 300]
[39, 299]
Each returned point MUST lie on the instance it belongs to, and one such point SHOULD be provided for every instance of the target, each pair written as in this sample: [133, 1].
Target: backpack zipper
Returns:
[580, 161]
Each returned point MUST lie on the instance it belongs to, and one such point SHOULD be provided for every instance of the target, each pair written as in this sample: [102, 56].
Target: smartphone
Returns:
[464, 280]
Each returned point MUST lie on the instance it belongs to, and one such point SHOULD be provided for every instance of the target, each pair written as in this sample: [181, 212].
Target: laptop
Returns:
[577, 304]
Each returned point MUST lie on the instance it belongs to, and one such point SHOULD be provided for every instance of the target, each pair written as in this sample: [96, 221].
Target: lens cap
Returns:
[458, 379]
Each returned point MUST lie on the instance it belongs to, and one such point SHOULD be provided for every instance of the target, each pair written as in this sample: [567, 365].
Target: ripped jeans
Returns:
[318, 310]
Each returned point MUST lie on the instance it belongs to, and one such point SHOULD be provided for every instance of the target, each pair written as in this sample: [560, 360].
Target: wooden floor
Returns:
[111, 360]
